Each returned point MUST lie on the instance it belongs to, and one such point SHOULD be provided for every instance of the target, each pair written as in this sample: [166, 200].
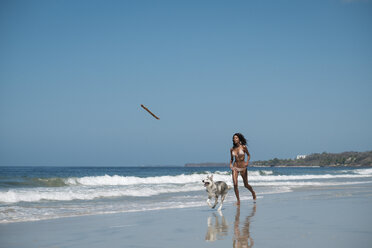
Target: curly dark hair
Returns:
[243, 141]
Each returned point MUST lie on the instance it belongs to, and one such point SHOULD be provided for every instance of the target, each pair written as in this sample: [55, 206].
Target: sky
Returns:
[294, 77]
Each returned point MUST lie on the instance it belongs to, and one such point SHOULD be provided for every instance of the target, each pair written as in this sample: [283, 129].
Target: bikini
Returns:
[239, 169]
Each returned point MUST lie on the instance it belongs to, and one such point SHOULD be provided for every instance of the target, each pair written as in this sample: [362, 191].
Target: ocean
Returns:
[40, 193]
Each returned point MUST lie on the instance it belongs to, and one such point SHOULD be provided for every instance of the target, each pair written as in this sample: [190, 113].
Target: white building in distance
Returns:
[301, 156]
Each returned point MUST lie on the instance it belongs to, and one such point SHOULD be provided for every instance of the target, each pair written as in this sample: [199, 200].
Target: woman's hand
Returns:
[246, 164]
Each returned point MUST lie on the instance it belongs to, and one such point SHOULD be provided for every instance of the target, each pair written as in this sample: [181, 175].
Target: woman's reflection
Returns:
[242, 238]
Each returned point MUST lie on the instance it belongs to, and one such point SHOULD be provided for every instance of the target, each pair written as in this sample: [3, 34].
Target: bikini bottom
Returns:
[239, 169]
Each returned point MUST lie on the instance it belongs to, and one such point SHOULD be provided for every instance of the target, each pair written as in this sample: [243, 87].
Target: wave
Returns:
[364, 171]
[131, 180]
[82, 193]
[91, 193]
[182, 179]
[11, 213]
[24, 215]
[196, 178]
[28, 199]
[303, 184]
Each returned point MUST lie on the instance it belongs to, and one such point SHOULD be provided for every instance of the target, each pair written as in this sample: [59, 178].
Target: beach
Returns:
[117, 115]
[325, 217]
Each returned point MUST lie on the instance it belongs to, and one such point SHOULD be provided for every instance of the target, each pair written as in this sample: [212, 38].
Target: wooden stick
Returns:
[150, 112]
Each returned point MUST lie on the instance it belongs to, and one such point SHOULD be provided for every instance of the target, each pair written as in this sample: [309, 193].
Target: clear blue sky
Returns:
[295, 77]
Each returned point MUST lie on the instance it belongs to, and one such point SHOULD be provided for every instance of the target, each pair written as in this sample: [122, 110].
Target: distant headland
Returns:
[315, 159]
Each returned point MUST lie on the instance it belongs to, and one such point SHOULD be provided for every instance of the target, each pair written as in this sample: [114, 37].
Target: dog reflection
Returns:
[217, 229]
[242, 237]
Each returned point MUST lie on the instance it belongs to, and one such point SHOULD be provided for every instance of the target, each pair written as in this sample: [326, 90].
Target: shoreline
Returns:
[124, 192]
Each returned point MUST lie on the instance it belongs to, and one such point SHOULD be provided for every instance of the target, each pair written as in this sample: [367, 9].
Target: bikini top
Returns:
[241, 152]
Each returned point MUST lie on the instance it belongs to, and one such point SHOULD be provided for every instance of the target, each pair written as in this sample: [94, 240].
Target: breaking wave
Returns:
[115, 180]
[81, 193]
[96, 187]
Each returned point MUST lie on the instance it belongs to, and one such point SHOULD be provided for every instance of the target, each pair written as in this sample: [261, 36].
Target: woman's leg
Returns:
[244, 175]
[235, 181]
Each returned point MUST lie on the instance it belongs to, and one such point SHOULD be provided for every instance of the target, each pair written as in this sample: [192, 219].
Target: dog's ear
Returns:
[211, 177]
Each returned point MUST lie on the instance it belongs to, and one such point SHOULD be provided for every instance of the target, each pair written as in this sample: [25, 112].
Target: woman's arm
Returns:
[231, 159]
[248, 155]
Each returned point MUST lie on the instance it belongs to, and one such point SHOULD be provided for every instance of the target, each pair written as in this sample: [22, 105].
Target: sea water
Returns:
[39, 193]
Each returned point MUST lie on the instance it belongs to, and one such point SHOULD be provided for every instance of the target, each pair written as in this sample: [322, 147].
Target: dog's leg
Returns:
[215, 202]
[209, 201]
[222, 199]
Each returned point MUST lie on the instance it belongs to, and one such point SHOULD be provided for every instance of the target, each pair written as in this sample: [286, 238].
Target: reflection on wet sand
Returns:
[217, 229]
[242, 237]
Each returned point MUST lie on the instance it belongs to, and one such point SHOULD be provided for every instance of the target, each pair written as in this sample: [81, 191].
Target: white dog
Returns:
[215, 189]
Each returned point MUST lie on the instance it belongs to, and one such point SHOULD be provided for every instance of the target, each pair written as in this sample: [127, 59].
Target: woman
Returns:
[238, 152]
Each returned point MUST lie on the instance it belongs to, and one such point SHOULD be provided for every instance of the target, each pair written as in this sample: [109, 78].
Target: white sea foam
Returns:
[302, 183]
[91, 193]
[21, 214]
[122, 180]
[267, 172]
[9, 214]
[83, 193]
[364, 171]
[197, 178]
[94, 187]
[304, 177]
